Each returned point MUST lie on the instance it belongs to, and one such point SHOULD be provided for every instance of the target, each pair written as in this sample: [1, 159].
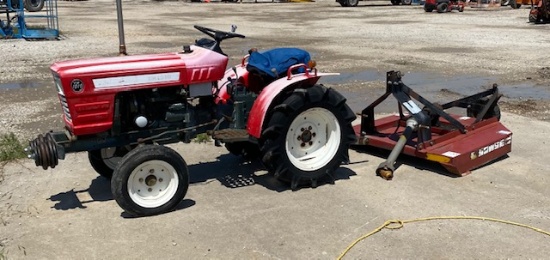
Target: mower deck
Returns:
[459, 143]
[459, 153]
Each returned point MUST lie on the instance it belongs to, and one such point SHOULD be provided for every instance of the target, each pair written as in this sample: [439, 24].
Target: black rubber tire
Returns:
[406, 2]
[475, 110]
[343, 3]
[461, 9]
[134, 159]
[34, 5]
[274, 135]
[504, 2]
[100, 166]
[247, 150]
[428, 9]
[442, 7]
[352, 3]
[395, 2]
[514, 4]
[537, 19]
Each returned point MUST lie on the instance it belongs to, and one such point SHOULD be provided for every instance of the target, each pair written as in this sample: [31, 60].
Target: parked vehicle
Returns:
[30, 5]
[443, 6]
[353, 3]
[121, 110]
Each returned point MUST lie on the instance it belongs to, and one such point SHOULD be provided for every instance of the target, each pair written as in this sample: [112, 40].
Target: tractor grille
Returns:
[65, 107]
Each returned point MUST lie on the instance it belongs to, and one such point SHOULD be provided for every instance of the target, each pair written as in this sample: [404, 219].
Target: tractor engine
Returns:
[169, 107]
[119, 102]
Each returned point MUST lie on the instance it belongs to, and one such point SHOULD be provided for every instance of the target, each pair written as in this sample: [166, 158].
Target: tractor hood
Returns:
[140, 71]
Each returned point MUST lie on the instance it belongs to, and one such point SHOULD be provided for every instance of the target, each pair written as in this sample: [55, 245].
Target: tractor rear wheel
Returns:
[104, 161]
[307, 137]
[150, 180]
[442, 7]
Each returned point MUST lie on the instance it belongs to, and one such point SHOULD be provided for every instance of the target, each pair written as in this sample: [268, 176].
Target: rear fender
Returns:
[265, 101]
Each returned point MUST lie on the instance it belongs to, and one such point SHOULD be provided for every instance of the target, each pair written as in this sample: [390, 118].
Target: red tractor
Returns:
[121, 110]
[443, 6]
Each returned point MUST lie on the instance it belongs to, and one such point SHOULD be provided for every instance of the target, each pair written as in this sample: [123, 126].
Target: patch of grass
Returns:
[11, 148]
[202, 138]
[3, 253]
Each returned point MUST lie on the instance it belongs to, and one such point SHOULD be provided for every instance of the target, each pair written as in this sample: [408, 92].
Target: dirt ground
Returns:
[234, 209]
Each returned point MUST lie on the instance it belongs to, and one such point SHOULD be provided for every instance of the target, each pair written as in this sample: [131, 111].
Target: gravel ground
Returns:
[60, 214]
[374, 36]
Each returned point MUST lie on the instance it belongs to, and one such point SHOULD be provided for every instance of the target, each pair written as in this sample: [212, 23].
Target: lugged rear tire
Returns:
[150, 180]
[308, 136]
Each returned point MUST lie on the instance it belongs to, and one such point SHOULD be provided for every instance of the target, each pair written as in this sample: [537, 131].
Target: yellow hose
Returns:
[397, 224]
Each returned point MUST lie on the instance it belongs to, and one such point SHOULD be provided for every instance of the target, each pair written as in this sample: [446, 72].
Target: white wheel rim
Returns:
[153, 183]
[313, 139]
[108, 157]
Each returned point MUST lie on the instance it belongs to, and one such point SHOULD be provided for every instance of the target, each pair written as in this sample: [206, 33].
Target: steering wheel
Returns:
[218, 35]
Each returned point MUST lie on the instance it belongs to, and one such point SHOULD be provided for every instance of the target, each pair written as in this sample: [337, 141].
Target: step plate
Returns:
[231, 135]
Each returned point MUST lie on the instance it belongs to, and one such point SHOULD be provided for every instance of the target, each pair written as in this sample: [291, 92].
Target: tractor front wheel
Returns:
[104, 161]
[308, 135]
[150, 180]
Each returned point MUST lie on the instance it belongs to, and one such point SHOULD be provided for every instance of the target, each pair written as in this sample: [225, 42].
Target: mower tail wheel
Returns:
[150, 180]
[442, 7]
[474, 110]
[307, 137]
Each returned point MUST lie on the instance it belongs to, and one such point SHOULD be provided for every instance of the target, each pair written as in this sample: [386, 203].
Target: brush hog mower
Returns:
[459, 143]
[121, 110]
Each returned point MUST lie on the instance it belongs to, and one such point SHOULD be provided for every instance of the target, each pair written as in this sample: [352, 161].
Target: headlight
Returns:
[58, 85]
